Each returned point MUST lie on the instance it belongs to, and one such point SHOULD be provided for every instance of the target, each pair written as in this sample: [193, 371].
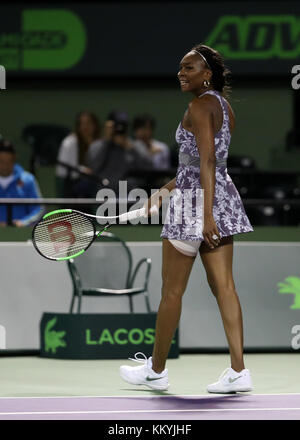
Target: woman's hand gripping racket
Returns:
[66, 233]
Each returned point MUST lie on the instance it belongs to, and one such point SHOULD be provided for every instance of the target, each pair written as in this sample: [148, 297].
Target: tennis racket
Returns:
[66, 233]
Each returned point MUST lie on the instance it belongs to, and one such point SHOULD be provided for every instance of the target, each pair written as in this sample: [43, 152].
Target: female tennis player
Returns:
[204, 137]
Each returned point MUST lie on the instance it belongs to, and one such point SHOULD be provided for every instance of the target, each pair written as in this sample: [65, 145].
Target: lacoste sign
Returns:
[99, 336]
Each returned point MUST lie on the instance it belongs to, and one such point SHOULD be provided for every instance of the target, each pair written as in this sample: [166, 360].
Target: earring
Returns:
[206, 83]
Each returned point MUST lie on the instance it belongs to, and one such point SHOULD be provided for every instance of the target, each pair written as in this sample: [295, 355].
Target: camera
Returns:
[120, 120]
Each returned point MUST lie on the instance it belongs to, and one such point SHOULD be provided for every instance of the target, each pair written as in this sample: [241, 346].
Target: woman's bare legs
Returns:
[175, 273]
[218, 265]
[176, 269]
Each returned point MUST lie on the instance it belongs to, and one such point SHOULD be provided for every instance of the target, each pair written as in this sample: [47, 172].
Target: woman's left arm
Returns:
[202, 122]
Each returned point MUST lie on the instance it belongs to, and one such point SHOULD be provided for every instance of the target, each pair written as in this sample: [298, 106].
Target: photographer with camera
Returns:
[116, 157]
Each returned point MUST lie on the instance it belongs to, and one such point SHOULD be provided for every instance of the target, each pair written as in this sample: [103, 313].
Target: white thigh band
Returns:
[189, 248]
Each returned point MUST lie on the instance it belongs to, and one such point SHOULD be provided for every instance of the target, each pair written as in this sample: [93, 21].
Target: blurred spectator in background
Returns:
[73, 151]
[156, 151]
[16, 183]
[116, 157]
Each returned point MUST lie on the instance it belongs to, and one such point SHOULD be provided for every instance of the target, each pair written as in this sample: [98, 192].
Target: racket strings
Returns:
[62, 235]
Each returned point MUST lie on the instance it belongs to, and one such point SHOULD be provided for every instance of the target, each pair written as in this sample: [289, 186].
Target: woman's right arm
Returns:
[170, 185]
[158, 196]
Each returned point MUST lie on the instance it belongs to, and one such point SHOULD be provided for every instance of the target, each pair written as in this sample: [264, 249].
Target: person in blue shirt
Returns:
[15, 182]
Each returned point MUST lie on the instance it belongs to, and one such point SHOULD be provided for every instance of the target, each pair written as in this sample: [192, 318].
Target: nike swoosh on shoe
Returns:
[152, 378]
[233, 380]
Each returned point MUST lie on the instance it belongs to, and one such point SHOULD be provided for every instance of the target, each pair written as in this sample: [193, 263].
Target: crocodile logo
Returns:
[291, 285]
[53, 339]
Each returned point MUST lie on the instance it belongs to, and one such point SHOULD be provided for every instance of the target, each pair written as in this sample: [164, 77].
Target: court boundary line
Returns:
[150, 396]
[144, 411]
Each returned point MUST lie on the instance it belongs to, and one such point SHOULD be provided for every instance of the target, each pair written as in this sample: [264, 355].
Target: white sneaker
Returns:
[144, 375]
[231, 381]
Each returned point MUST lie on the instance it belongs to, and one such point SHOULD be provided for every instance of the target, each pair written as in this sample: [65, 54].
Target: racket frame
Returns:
[96, 233]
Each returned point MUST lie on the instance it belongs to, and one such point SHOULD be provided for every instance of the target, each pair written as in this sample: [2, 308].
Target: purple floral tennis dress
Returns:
[228, 210]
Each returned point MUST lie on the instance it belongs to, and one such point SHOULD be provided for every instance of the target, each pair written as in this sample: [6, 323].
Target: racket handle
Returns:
[131, 215]
[154, 210]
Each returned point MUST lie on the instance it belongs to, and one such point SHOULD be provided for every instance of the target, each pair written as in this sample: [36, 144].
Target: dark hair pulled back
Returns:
[220, 73]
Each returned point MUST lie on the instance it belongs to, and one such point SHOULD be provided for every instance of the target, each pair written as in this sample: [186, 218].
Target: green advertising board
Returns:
[47, 40]
[115, 39]
[99, 336]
